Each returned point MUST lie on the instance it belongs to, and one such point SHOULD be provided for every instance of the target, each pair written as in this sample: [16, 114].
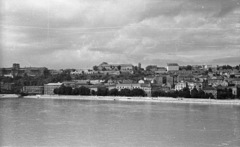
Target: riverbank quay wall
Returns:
[139, 99]
[2, 96]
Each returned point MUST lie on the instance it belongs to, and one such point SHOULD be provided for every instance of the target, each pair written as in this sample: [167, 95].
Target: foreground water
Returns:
[41, 122]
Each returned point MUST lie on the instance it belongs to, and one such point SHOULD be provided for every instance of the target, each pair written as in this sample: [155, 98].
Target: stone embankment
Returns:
[139, 99]
[9, 96]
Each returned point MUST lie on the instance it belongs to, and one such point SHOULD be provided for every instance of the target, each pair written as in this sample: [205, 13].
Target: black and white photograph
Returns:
[119, 73]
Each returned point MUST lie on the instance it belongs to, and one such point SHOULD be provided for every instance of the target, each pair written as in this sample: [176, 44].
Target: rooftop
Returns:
[54, 84]
[172, 64]
[209, 88]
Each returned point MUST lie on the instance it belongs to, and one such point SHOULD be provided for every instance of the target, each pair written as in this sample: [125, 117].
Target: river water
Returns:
[43, 122]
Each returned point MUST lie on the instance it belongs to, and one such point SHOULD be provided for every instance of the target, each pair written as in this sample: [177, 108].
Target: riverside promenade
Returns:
[139, 99]
[9, 96]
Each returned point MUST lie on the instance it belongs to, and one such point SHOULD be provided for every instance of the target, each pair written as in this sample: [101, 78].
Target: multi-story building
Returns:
[216, 81]
[172, 67]
[211, 90]
[83, 71]
[235, 81]
[145, 87]
[55, 72]
[160, 70]
[180, 85]
[49, 88]
[207, 66]
[159, 87]
[129, 68]
[110, 72]
[33, 89]
[17, 71]
[189, 84]
[72, 84]
[6, 87]
[183, 77]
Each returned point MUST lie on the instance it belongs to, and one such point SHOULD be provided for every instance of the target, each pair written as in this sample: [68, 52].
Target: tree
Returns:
[113, 92]
[155, 94]
[119, 67]
[189, 67]
[173, 94]
[186, 92]
[237, 67]
[224, 93]
[102, 91]
[84, 90]
[210, 70]
[93, 92]
[150, 67]
[61, 90]
[202, 94]
[46, 73]
[137, 92]
[56, 91]
[238, 92]
[75, 91]
[95, 68]
[103, 69]
[194, 93]
[125, 92]
[68, 91]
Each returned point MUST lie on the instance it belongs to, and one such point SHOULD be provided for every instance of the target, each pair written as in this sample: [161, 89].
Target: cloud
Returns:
[80, 33]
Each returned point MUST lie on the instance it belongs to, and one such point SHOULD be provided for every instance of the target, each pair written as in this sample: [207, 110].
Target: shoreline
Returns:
[129, 99]
[139, 99]
[9, 96]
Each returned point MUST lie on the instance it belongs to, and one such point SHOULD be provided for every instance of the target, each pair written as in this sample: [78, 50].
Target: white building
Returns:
[191, 85]
[49, 88]
[207, 66]
[145, 87]
[172, 67]
[116, 67]
[82, 71]
[180, 85]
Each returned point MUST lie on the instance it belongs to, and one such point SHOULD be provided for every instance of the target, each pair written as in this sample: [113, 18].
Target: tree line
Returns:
[185, 93]
[101, 91]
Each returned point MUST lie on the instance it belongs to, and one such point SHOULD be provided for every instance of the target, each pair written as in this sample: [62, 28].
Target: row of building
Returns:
[160, 78]
[117, 69]
[48, 89]
[103, 68]
[148, 85]
[16, 70]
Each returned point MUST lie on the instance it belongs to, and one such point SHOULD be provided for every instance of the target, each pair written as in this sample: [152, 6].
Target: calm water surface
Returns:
[39, 122]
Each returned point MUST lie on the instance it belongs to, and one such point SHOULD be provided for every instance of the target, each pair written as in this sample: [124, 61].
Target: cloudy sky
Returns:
[83, 33]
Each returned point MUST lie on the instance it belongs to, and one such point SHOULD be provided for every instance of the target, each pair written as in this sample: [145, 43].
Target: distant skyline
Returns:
[83, 33]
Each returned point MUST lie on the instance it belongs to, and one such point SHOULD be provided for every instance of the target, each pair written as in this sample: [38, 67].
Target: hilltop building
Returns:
[33, 89]
[126, 68]
[15, 70]
[172, 67]
[49, 88]
[145, 87]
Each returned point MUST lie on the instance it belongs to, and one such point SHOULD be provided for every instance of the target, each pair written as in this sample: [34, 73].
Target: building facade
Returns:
[145, 87]
[49, 88]
[211, 90]
[33, 89]
[15, 70]
[172, 67]
[129, 68]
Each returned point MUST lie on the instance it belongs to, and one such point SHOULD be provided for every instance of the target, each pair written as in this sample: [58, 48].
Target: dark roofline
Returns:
[172, 64]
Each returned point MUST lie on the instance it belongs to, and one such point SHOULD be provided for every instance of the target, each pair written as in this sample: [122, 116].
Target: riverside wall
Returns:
[9, 96]
[139, 99]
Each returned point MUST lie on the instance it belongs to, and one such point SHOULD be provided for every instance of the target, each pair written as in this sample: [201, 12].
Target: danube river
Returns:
[46, 122]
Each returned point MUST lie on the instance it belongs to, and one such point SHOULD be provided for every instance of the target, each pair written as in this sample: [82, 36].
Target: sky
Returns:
[83, 33]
